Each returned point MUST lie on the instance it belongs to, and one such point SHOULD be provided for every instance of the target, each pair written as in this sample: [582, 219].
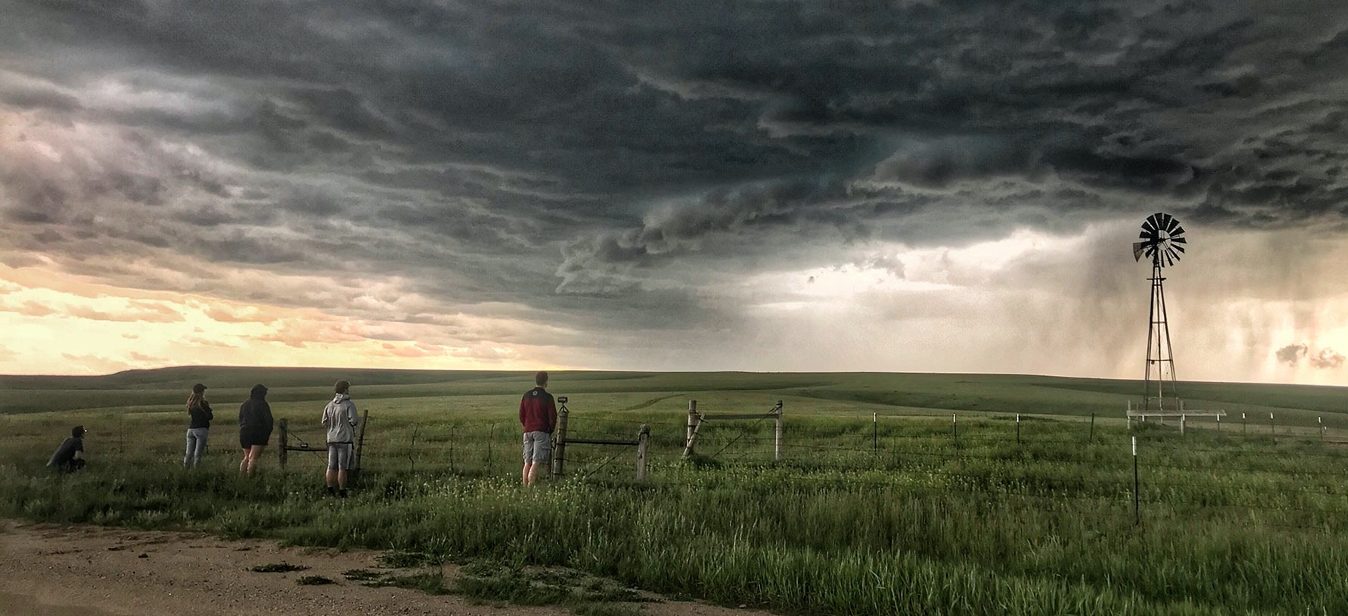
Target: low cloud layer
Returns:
[610, 179]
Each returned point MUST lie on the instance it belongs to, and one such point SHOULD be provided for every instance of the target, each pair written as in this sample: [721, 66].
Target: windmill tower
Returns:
[1162, 241]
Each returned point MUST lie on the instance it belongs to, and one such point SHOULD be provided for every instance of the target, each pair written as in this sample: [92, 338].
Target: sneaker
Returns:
[332, 491]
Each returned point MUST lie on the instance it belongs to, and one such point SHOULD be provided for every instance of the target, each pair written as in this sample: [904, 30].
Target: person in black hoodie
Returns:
[69, 456]
[254, 428]
[199, 410]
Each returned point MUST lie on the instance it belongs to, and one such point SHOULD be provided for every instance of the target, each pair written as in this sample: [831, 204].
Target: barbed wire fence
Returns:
[1282, 476]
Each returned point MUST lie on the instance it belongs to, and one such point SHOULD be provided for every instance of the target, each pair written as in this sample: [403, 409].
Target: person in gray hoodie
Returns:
[340, 418]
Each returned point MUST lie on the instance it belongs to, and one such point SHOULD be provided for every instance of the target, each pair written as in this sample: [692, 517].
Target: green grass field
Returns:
[904, 514]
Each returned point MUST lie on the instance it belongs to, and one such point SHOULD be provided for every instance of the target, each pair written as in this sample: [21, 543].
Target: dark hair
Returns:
[541, 378]
[77, 431]
[258, 391]
[198, 388]
[341, 386]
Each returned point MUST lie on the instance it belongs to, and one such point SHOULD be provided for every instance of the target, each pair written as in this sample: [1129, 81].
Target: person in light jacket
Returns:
[199, 425]
[340, 418]
[255, 425]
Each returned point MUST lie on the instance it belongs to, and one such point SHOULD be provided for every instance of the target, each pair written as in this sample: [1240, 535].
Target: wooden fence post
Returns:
[285, 442]
[360, 442]
[643, 440]
[692, 422]
[491, 438]
[452, 438]
[412, 452]
[777, 435]
[559, 444]
[692, 438]
[1182, 421]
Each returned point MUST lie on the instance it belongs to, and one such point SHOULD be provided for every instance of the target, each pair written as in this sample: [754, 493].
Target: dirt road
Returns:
[93, 571]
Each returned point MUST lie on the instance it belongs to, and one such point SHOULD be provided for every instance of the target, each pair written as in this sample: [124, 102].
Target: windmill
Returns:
[1162, 241]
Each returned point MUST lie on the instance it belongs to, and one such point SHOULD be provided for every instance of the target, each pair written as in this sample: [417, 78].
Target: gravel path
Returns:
[48, 570]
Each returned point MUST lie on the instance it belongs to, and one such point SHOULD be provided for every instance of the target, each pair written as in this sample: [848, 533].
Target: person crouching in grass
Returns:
[69, 456]
[339, 417]
[538, 416]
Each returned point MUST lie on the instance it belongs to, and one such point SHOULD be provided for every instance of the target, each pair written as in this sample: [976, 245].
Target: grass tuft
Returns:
[430, 582]
[277, 568]
[360, 575]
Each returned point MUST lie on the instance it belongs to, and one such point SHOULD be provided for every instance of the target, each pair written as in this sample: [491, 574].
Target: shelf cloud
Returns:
[610, 185]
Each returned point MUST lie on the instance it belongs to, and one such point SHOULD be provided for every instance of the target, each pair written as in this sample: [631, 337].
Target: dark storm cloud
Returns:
[1327, 358]
[1292, 354]
[580, 159]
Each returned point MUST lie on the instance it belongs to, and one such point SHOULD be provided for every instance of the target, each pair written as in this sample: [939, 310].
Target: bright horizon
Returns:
[809, 189]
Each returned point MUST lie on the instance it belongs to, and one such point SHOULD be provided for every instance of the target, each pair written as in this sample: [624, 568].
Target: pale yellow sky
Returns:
[56, 323]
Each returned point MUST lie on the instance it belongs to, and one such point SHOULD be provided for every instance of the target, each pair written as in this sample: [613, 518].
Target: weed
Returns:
[430, 582]
[399, 559]
[277, 568]
[360, 575]
[314, 580]
[606, 609]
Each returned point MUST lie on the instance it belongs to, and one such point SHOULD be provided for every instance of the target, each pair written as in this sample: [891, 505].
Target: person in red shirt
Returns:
[538, 417]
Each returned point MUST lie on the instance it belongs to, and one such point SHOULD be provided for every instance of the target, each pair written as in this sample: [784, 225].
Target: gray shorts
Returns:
[537, 446]
[339, 456]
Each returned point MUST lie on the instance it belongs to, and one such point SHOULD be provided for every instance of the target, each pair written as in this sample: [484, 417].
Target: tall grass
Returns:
[895, 517]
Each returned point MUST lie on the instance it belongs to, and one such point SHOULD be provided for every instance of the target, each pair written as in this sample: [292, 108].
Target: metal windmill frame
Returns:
[1162, 239]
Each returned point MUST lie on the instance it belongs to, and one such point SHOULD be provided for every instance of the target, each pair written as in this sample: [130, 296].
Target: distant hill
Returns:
[930, 392]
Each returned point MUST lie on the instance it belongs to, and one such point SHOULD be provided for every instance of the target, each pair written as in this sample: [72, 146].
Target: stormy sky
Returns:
[902, 186]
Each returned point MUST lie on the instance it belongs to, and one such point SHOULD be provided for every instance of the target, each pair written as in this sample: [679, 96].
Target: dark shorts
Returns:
[71, 466]
[249, 438]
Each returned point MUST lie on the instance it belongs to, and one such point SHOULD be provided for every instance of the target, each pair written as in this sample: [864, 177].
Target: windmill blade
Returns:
[1178, 240]
[1171, 224]
[1177, 247]
[1170, 252]
[1169, 261]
